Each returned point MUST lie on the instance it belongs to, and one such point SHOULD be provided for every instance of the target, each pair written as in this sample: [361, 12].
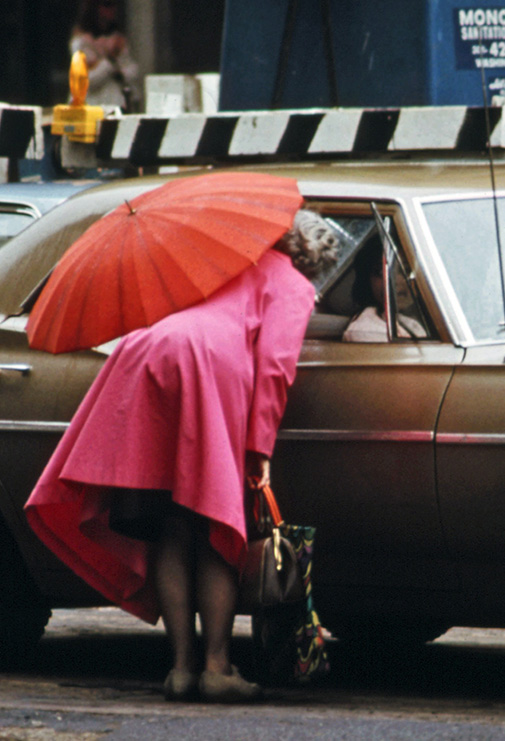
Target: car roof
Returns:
[29, 257]
[397, 179]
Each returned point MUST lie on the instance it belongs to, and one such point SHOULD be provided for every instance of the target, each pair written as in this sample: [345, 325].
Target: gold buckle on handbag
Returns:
[276, 533]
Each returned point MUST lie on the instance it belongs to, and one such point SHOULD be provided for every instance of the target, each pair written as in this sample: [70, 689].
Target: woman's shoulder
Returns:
[278, 268]
[367, 326]
[367, 316]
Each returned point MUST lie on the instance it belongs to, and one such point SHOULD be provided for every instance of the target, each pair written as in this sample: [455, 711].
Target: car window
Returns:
[345, 297]
[465, 235]
[351, 232]
[11, 223]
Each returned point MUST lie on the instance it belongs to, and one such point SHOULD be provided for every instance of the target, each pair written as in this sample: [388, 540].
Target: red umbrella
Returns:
[166, 250]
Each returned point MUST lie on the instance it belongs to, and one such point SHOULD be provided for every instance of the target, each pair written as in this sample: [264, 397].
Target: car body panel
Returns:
[360, 437]
[471, 475]
[39, 394]
[471, 457]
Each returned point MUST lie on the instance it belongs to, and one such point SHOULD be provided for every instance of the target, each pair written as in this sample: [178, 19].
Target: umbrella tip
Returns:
[132, 210]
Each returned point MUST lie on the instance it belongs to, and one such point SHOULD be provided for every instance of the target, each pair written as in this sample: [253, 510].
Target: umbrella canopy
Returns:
[166, 250]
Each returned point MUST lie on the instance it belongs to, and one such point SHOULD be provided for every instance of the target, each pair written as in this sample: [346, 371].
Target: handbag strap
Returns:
[273, 507]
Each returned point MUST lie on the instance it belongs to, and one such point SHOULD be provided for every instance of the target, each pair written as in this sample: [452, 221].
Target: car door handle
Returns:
[22, 368]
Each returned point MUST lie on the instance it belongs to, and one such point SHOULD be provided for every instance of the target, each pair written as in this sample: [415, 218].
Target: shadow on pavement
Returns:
[444, 670]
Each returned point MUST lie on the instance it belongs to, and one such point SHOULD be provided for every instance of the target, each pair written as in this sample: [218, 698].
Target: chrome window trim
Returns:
[405, 436]
[485, 343]
[10, 425]
[16, 207]
[402, 436]
[466, 196]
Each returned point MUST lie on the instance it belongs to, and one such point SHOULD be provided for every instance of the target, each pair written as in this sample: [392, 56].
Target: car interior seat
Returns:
[334, 309]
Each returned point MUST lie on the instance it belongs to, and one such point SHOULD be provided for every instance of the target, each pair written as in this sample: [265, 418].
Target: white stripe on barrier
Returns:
[36, 146]
[428, 128]
[125, 136]
[336, 132]
[182, 136]
[498, 135]
[259, 133]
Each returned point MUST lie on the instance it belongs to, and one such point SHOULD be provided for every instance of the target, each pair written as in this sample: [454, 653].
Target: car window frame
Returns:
[398, 213]
[393, 254]
[460, 330]
[15, 208]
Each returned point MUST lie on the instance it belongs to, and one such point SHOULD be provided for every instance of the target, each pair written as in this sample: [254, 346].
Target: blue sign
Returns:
[479, 38]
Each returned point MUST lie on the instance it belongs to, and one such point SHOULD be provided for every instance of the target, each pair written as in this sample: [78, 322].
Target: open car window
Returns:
[341, 295]
[351, 232]
[12, 222]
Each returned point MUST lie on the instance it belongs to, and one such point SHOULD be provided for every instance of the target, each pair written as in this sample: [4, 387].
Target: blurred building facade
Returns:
[282, 54]
[166, 36]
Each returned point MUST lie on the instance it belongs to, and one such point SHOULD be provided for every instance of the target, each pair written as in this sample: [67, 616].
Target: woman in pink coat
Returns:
[180, 415]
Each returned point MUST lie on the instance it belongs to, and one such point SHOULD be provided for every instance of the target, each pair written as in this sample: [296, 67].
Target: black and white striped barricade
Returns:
[143, 140]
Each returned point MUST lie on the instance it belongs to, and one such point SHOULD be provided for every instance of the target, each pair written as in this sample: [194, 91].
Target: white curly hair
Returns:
[311, 243]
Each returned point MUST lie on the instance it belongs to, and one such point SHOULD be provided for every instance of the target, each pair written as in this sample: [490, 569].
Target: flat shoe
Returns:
[216, 687]
[180, 685]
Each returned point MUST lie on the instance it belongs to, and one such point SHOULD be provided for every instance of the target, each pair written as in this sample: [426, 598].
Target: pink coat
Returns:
[175, 407]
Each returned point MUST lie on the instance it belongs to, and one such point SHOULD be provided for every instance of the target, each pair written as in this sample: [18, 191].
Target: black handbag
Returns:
[272, 574]
[276, 588]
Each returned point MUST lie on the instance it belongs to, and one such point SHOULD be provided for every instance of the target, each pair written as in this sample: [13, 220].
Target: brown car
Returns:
[392, 444]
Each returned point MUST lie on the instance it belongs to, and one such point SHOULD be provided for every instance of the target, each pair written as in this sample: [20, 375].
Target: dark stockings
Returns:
[191, 576]
[217, 592]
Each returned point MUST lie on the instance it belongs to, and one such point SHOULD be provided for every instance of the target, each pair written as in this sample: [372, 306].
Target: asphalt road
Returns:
[98, 674]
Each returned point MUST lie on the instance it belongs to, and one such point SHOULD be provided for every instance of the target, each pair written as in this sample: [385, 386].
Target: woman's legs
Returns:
[216, 595]
[190, 575]
[174, 573]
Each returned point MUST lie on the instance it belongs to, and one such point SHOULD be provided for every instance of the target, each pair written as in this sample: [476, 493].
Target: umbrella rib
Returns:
[219, 217]
[121, 288]
[85, 301]
[58, 311]
[240, 232]
[201, 255]
[88, 290]
[160, 274]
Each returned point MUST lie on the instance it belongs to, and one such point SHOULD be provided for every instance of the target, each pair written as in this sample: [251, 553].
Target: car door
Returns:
[471, 473]
[467, 235]
[356, 458]
[39, 393]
